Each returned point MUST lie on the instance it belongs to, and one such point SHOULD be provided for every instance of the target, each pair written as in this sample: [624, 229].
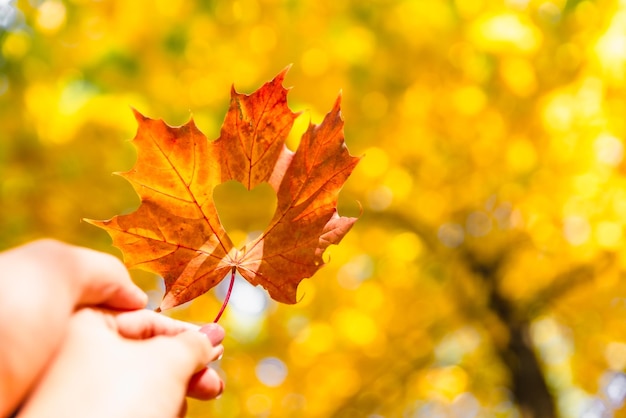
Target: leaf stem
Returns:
[230, 289]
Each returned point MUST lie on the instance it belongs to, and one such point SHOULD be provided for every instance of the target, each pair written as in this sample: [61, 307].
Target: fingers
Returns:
[144, 324]
[205, 384]
[188, 354]
[178, 347]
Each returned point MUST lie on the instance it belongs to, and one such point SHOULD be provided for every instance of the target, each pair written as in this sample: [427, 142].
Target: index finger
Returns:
[143, 324]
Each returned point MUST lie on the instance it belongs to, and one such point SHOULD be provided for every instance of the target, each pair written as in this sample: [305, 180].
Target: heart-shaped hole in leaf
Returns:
[244, 213]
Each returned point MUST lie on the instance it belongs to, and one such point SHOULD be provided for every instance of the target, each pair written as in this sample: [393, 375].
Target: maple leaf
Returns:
[176, 231]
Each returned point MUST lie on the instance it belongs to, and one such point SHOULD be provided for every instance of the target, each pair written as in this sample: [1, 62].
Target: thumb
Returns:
[104, 280]
[51, 270]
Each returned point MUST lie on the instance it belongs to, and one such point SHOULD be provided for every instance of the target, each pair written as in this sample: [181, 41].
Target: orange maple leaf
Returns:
[176, 231]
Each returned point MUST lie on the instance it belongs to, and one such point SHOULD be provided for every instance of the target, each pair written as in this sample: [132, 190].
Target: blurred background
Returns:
[485, 276]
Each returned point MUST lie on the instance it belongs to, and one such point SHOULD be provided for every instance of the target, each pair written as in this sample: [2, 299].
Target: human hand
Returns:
[131, 364]
[42, 284]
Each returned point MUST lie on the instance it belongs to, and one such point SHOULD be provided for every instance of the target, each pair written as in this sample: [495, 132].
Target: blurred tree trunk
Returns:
[528, 385]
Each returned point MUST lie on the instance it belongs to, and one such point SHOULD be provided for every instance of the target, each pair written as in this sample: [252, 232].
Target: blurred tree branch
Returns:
[528, 383]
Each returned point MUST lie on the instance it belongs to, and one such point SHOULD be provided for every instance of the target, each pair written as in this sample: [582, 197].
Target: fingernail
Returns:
[215, 333]
[219, 394]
